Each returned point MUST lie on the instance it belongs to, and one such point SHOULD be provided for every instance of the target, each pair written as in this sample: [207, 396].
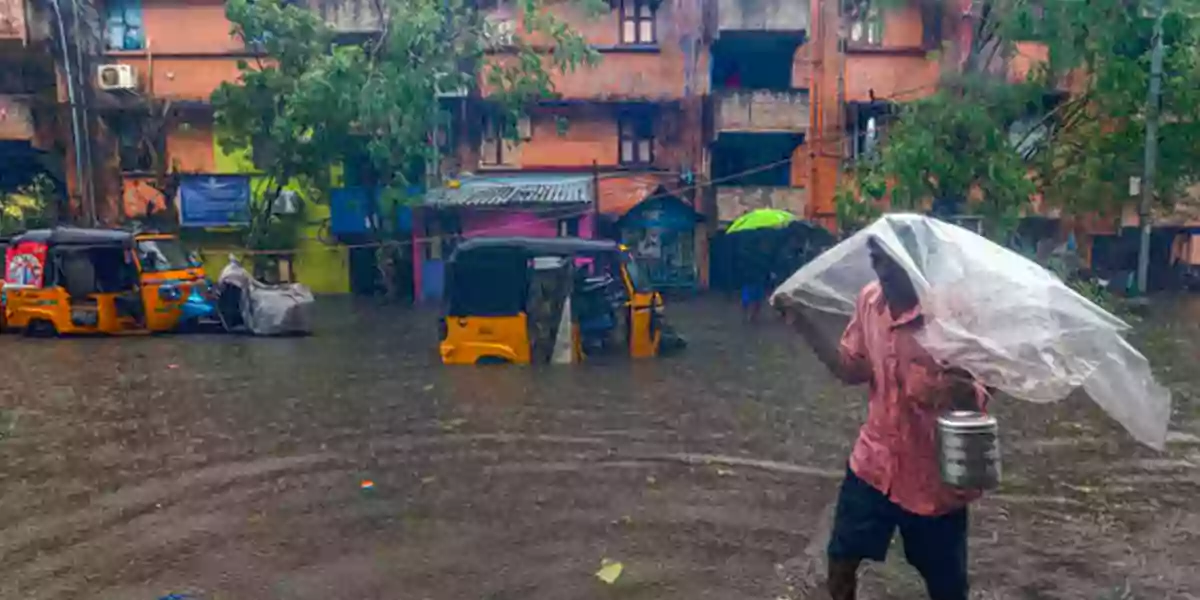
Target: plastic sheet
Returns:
[1007, 320]
[282, 309]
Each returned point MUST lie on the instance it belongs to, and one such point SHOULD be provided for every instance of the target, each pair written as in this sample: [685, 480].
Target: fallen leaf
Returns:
[610, 571]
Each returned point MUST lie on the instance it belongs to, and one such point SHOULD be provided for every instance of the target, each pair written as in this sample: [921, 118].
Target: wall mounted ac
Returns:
[116, 78]
[287, 203]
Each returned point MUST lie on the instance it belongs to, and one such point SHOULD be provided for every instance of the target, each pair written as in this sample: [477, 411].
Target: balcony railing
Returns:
[349, 16]
[763, 15]
[762, 111]
[734, 201]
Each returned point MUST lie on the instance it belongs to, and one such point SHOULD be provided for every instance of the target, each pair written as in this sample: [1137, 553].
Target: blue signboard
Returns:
[350, 210]
[214, 200]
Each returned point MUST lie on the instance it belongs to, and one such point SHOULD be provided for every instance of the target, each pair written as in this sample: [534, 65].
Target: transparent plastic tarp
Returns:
[282, 309]
[1007, 320]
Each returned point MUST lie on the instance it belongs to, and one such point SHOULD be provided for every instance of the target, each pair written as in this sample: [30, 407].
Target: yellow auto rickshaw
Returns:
[80, 281]
[537, 300]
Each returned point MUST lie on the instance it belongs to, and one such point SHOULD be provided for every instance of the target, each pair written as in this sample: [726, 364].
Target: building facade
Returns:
[624, 132]
[715, 107]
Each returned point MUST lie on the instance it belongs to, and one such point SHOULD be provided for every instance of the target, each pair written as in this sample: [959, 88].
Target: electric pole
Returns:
[1149, 163]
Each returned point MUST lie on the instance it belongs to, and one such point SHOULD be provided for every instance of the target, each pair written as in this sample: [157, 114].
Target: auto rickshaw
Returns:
[80, 281]
[506, 301]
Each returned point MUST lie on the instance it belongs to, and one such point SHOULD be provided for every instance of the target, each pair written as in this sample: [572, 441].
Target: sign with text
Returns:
[214, 201]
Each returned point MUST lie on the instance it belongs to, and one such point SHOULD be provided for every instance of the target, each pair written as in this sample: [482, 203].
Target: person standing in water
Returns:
[755, 271]
[893, 479]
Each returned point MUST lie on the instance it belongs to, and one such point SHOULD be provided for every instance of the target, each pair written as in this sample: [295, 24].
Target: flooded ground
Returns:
[233, 468]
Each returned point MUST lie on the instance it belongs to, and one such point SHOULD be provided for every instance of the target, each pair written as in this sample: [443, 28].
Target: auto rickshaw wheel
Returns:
[492, 360]
[41, 328]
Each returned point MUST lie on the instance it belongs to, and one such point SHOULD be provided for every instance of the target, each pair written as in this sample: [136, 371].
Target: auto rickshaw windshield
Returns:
[637, 276]
[162, 254]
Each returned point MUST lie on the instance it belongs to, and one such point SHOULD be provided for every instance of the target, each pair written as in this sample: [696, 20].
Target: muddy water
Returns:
[234, 468]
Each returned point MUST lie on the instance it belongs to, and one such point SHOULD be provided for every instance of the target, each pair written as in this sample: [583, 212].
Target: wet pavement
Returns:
[226, 467]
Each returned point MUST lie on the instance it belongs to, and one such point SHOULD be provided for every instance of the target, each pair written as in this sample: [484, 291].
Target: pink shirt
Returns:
[896, 451]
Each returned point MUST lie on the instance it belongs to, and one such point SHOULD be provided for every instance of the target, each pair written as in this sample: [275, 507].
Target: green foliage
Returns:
[961, 142]
[27, 205]
[312, 98]
[855, 212]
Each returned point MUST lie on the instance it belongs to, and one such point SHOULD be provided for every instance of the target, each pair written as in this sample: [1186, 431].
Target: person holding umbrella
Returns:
[756, 234]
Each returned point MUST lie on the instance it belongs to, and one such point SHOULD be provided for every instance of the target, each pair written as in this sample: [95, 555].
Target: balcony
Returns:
[734, 201]
[762, 111]
[349, 16]
[778, 16]
[12, 21]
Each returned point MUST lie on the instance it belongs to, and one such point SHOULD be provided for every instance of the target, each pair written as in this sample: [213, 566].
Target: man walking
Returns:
[893, 481]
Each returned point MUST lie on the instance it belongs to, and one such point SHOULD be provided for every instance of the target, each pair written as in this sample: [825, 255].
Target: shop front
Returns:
[662, 232]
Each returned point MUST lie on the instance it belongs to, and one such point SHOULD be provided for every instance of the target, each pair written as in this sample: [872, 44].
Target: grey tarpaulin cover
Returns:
[270, 309]
[1009, 321]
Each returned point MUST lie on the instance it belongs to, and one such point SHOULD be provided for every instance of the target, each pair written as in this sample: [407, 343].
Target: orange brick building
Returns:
[713, 106]
[628, 132]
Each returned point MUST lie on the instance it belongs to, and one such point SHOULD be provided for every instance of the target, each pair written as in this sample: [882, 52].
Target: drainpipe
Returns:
[85, 119]
[71, 98]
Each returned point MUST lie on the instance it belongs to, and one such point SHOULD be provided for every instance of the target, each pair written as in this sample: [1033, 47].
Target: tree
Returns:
[27, 206]
[1072, 130]
[312, 96]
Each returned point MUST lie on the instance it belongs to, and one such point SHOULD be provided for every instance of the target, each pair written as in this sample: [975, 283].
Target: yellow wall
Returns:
[323, 268]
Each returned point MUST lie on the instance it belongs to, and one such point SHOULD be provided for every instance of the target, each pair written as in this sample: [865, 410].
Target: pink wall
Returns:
[509, 223]
[493, 223]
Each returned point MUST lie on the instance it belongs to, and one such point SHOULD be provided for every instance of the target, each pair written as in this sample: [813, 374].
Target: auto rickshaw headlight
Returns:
[169, 293]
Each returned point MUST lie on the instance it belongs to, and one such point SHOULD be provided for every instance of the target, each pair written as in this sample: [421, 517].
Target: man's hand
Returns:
[961, 389]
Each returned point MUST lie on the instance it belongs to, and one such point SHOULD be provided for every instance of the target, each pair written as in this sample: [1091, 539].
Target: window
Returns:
[637, 22]
[867, 129]
[135, 145]
[568, 227]
[123, 25]
[158, 255]
[866, 27]
[636, 133]
[498, 147]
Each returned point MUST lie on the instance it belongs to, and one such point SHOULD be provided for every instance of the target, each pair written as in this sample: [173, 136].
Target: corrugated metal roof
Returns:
[506, 190]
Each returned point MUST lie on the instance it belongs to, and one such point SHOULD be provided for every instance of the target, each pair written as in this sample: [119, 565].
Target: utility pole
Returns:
[1149, 163]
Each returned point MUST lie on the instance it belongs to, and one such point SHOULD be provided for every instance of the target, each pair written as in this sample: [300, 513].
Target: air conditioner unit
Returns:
[116, 78]
[459, 92]
[287, 203]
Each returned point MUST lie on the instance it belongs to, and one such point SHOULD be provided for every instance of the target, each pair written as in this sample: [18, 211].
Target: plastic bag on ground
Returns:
[1006, 319]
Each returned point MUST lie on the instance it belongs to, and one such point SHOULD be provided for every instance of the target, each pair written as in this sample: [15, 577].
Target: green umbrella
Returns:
[763, 218]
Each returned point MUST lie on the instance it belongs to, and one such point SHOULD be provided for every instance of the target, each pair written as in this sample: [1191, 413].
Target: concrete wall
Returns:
[762, 111]
[733, 202]
[762, 15]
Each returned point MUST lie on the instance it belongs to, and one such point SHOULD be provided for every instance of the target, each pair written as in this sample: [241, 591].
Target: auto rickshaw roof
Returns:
[75, 236]
[535, 246]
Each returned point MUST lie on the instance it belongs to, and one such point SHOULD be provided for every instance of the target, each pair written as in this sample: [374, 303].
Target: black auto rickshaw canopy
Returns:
[489, 277]
[75, 236]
